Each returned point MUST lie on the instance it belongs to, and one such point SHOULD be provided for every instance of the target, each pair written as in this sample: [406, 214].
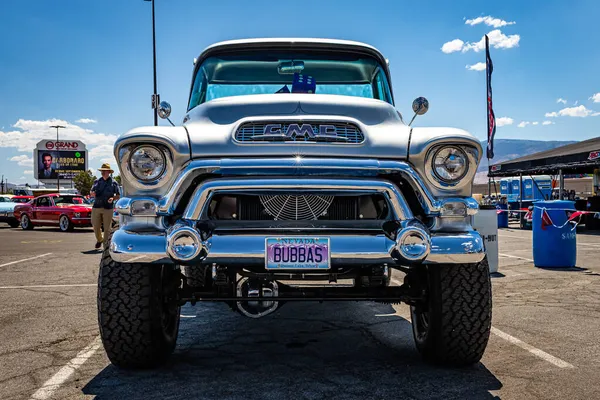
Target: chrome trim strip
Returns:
[202, 196]
[459, 248]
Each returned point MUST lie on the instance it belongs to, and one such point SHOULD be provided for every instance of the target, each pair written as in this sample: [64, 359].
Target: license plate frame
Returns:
[308, 241]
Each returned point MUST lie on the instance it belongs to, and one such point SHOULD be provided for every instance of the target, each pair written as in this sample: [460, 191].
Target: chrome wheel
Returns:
[64, 223]
[25, 222]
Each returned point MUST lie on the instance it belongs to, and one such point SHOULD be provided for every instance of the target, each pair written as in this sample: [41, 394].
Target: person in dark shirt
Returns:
[106, 192]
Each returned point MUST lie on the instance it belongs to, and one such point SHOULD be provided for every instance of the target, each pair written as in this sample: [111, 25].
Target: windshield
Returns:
[68, 200]
[286, 72]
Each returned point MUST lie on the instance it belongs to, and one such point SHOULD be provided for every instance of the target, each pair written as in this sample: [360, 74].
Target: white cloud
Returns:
[502, 121]
[535, 123]
[28, 171]
[86, 121]
[523, 124]
[480, 66]
[561, 100]
[103, 151]
[498, 40]
[22, 160]
[489, 21]
[595, 98]
[548, 123]
[580, 111]
[453, 46]
[28, 133]
[576, 102]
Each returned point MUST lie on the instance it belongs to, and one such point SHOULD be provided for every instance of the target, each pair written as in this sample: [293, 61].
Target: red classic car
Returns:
[64, 211]
[21, 199]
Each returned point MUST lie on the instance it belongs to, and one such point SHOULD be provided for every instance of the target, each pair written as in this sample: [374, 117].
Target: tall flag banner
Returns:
[491, 124]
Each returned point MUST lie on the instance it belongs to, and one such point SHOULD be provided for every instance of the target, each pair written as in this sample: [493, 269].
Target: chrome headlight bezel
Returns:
[125, 155]
[159, 170]
[471, 156]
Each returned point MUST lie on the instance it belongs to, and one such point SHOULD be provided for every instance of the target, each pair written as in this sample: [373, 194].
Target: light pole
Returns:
[58, 158]
[155, 96]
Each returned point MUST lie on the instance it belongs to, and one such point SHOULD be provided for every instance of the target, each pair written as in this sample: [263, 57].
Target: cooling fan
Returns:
[296, 207]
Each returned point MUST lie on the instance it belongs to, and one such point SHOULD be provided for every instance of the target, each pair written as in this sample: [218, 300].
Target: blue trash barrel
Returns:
[503, 216]
[552, 246]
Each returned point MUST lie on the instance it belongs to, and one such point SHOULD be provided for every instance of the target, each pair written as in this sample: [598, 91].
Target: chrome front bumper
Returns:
[151, 247]
[411, 243]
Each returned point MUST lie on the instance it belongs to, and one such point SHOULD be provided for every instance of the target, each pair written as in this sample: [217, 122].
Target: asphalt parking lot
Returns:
[545, 340]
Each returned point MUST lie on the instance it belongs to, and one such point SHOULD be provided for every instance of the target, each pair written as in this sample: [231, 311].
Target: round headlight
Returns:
[450, 164]
[147, 163]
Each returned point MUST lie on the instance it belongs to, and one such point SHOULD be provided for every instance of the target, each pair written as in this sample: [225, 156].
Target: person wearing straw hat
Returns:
[106, 192]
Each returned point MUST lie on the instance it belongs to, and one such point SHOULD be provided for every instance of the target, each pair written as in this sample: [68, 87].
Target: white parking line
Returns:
[513, 237]
[579, 243]
[53, 384]
[25, 259]
[533, 350]
[588, 244]
[517, 257]
[48, 286]
[541, 354]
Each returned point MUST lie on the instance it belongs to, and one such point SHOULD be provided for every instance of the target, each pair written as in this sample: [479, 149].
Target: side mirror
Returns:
[420, 106]
[164, 110]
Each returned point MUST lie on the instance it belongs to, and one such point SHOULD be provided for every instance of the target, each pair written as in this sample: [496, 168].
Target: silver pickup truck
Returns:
[292, 165]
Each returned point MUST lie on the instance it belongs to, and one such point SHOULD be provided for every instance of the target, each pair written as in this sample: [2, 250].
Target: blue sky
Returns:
[74, 60]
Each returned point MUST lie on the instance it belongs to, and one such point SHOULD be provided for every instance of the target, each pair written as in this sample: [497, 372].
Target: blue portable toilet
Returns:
[528, 188]
[505, 187]
[554, 245]
[542, 188]
[515, 190]
[537, 188]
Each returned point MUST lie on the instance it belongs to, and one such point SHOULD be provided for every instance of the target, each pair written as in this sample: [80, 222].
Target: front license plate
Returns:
[297, 253]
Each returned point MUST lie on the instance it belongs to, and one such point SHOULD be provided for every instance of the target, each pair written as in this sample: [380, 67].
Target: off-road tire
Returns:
[26, 222]
[458, 314]
[197, 276]
[138, 328]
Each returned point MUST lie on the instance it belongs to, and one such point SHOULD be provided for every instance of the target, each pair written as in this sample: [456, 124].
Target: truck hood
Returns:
[211, 126]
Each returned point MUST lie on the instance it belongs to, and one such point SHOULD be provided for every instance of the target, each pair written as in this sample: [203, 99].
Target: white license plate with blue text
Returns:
[297, 253]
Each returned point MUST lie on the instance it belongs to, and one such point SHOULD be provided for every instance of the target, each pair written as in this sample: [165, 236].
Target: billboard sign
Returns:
[59, 160]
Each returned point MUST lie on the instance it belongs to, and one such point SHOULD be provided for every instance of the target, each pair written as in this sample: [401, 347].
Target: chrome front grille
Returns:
[345, 133]
[296, 207]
